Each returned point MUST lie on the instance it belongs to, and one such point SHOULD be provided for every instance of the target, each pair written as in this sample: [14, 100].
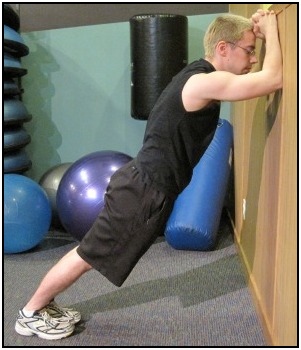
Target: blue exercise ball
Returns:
[81, 192]
[27, 213]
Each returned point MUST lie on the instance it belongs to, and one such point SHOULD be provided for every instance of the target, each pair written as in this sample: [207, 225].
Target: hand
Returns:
[263, 21]
[255, 19]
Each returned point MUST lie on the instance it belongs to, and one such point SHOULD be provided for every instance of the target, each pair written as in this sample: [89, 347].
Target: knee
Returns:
[82, 264]
[86, 267]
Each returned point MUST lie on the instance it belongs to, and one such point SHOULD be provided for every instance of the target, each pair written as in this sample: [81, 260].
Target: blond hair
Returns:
[227, 28]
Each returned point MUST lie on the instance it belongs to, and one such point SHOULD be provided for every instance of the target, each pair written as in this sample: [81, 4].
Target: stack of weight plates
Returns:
[15, 137]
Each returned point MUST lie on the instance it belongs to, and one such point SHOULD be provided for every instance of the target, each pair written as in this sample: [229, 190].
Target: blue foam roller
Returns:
[10, 87]
[12, 66]
[15, 138]
[15, 112]
[16, 162]
[194, 221]
[14, 43]
[10, 17]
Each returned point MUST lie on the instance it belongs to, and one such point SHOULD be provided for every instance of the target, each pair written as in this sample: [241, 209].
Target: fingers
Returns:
[263, 22]
[257, 15]
[265, 12]
[255, 18]
[261, 12]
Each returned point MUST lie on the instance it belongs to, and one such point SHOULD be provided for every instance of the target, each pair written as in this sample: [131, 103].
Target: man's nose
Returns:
[254, 59]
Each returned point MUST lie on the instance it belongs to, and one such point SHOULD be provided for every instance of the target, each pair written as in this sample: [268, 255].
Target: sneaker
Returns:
[58, 312]
[43, 325]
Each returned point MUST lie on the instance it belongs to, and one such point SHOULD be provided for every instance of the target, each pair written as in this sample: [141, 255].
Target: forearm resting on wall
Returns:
[273, 59]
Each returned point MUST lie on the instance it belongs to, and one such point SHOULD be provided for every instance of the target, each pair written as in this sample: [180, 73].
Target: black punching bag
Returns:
[159, 50]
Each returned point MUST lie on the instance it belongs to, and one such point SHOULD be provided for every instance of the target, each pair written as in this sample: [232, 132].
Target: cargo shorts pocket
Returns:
[152, 213]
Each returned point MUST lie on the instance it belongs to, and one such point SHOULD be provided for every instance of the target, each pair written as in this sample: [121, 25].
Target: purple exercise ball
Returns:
[81, 192]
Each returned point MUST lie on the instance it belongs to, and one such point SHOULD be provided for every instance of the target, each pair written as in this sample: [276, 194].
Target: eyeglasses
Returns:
[249, 52]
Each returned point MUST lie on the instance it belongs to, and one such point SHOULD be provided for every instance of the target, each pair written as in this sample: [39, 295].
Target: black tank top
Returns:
[174, 139]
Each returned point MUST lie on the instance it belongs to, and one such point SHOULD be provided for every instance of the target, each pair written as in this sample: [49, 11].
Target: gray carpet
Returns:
[172, 298]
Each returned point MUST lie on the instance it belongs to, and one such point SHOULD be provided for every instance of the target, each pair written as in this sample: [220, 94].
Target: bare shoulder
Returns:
[202, 88]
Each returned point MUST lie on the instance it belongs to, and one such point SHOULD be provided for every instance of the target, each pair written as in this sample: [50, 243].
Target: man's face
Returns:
[241, 56]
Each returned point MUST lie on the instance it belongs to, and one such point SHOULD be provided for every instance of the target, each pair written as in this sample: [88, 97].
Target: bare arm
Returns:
[226, 86]
[268, 31]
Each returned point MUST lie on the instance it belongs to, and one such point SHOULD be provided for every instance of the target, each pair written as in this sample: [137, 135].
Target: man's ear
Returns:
[222, 48]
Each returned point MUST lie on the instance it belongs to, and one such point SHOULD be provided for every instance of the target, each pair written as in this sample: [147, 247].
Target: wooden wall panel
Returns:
[241, 127]
[265, 149]
[285, 303]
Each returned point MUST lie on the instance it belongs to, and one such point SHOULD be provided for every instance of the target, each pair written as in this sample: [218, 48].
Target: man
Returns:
[140, 196]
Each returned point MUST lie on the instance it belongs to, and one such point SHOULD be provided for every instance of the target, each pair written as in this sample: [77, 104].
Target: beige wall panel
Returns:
[266, 158]
[285, 317]
[238, 109]
[265, 138]
[241, 129]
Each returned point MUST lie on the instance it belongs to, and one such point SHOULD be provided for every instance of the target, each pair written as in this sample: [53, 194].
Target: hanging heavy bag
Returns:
[159, 50]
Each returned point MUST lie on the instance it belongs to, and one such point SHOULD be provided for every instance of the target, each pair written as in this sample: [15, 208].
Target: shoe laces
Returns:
[50, 321]
[64, 311]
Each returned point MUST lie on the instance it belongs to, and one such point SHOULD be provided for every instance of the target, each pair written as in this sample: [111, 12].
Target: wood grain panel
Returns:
[285, 303]
[265, 139]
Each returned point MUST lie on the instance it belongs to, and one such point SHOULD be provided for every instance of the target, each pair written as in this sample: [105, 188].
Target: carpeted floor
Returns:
[172, 298]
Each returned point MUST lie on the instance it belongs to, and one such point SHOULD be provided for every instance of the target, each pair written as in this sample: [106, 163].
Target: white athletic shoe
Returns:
[43, 325]
[58, 312]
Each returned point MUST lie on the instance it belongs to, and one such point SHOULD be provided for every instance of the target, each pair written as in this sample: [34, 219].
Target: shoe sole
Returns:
[30, 332]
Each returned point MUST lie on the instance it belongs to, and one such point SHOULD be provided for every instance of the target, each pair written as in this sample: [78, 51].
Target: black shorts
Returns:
[134, 215]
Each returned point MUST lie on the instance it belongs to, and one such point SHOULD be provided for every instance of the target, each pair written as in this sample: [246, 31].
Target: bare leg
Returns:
[60, 277]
